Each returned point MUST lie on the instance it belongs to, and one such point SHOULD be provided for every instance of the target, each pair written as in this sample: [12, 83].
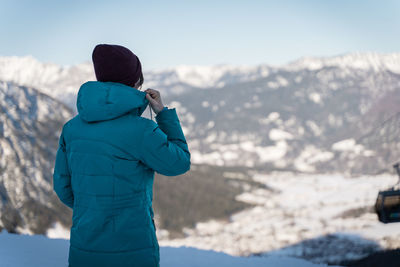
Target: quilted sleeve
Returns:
[62, 176]
[163, 147]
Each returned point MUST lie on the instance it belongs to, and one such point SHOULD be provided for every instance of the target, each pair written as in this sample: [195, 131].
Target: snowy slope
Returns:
[30, 126]
[60, 82]
[303, 120]
[39, 251]
[321, 218]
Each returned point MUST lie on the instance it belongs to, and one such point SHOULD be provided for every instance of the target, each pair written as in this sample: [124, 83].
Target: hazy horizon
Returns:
[217, 64]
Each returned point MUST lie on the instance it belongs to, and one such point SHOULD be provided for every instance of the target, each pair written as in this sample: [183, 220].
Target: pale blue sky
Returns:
[168, 33]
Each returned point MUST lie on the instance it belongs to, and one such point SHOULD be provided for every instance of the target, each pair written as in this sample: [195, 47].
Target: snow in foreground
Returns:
[37, 250]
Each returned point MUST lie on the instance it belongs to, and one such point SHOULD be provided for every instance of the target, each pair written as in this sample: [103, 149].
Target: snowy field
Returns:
[302, 216]
[39, 251]
[321, 218]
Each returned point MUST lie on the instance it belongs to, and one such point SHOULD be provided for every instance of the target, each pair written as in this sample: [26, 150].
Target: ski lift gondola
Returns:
[387, 205]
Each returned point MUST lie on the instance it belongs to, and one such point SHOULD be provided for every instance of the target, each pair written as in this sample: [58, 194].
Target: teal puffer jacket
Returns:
[104, 171]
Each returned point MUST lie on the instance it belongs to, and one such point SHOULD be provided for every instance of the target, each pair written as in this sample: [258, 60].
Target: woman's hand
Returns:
[154, 98]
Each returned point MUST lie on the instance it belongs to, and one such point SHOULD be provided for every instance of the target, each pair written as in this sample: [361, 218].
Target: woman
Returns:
[106, 160]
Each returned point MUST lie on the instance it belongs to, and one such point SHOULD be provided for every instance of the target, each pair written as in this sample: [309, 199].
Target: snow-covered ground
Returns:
[297, 215]
[302, 217]
[39, 251]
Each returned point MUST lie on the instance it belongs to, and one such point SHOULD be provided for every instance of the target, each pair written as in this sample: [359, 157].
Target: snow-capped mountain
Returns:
[206, 77]
[30, 124]
[298, 120]
[363, 61]
[57, 81]
[63, 82]
[302, 116]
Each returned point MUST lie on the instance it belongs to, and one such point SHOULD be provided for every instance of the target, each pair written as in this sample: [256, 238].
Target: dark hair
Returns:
[141, 79]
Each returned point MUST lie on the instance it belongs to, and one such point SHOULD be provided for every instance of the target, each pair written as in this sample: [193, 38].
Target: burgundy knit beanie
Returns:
[115, 63]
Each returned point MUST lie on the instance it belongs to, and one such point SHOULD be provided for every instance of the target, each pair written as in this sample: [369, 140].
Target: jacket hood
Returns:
[99, 101]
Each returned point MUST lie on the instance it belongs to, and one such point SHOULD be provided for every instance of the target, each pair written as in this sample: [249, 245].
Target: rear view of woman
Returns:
[105, 163]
